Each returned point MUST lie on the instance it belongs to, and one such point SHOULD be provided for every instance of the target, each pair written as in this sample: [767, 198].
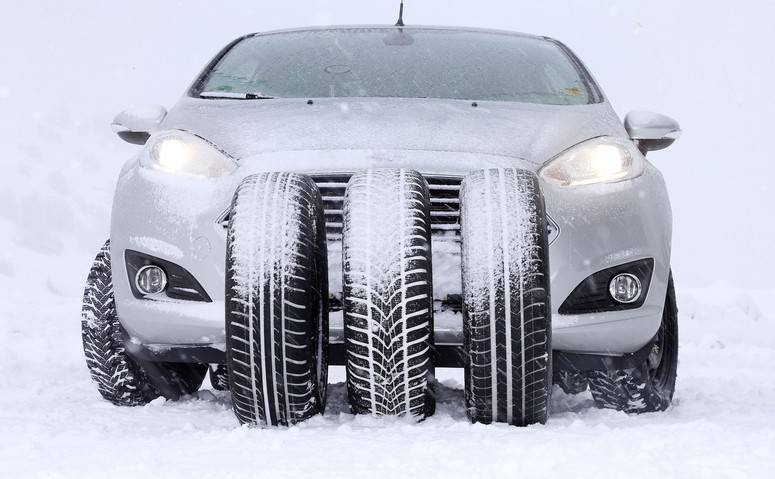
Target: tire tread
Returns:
[506, 313]
[276, 291]
[119, 378]
[388, 297]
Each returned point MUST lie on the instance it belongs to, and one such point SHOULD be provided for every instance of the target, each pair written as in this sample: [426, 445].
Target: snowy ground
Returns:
[59, 167]
[54, 423]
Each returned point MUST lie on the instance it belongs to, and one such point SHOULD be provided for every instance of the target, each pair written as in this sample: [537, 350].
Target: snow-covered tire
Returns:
[506, 311]
[120, 378]
[277, 300]
[388, 296]
[649, 387]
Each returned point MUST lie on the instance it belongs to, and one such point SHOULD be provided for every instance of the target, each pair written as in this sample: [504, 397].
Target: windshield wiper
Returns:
[235, 95]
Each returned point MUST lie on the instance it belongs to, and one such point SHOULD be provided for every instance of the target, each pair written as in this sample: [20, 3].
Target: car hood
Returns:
[528, 132]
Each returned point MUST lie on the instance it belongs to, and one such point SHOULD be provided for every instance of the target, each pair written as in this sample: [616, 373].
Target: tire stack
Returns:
[277, 290]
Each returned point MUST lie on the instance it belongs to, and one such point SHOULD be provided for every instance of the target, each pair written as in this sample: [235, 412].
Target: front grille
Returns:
[445, 204]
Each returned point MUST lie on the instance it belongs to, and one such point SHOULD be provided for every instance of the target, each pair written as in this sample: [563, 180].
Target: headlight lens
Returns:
[599, 160]
[182, 153]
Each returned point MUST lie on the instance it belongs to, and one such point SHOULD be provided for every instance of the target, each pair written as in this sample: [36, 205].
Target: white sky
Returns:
[708, 64]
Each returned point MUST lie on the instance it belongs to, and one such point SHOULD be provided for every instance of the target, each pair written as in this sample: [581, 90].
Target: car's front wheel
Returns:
[120, 378]
[650, 386]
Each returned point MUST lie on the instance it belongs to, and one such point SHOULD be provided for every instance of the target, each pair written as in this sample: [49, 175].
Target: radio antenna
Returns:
[400, 22]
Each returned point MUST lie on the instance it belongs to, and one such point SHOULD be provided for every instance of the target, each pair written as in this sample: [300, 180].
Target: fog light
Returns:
[151, 280]
[625, 288]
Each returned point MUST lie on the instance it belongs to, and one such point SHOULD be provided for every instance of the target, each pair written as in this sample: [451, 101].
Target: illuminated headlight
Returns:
[182, 153]
[599, 160]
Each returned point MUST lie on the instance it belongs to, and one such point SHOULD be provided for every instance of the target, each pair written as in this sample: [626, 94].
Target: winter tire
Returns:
[121, 379]
[649, 387]
[219, 377]
[506, 312]
[388, 297]
[277, 300]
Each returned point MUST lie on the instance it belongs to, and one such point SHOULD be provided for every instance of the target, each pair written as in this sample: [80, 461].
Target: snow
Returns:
[270, 222]
[69, 67]
[155, 245]
[54, 424]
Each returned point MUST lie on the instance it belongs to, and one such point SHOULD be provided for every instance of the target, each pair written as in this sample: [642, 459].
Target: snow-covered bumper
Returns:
[181, 221]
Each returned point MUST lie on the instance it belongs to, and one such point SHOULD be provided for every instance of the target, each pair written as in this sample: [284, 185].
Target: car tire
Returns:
[388, 293]
[219, 377]
[122, 379]
[277, 300]
[506, 310]
[649, 387]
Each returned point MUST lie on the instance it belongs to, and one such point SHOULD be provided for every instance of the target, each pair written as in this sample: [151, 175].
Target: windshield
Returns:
[397, 63]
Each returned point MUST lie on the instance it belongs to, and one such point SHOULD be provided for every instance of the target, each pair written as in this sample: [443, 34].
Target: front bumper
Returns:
[181, 221]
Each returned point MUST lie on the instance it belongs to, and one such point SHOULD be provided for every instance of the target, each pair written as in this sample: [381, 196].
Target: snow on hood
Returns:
[535, 133]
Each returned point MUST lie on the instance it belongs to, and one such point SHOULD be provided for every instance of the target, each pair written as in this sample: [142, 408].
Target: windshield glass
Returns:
[392, 62]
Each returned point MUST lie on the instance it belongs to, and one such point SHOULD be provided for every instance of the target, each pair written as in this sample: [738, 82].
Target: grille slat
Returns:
[445, 205]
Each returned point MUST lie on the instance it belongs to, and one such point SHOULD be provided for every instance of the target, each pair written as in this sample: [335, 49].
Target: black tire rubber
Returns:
[219, 377]
[277, 300]
[388, 293]
[649, 387]
[506, 310]
[571, 382]
[120, 378]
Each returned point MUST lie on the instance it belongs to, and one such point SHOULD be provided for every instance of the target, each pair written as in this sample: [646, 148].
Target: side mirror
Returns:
[136, 125]
[651, 131]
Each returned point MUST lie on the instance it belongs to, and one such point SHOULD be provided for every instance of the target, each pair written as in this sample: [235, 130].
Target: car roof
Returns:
[409, 28]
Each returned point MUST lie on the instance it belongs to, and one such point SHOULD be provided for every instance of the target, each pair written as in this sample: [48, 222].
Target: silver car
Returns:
[390, 199]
